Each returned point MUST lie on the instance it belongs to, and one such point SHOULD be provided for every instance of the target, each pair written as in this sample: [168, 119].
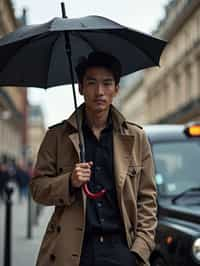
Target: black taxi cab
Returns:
[176, 152]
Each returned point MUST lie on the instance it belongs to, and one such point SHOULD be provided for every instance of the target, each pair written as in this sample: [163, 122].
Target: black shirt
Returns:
[102, 215]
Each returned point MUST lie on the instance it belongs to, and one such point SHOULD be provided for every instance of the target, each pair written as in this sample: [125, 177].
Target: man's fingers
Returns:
[80, 174]
[81, 171]
[91, 163]
[84, 179]
[84, 165]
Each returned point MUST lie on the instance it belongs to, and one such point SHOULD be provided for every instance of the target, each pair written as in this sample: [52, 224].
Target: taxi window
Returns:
[177, 166]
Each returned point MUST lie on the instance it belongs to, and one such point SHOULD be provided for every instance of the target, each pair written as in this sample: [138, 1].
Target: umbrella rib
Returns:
[86, 40]
[145, 52]
[51, 48]
[20, 48]
[139, 49]
[13, 55]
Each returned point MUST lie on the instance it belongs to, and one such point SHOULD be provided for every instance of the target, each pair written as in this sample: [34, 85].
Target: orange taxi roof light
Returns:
[193, 131]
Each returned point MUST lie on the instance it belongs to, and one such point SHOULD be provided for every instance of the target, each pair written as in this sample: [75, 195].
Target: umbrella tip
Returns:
[63, 10]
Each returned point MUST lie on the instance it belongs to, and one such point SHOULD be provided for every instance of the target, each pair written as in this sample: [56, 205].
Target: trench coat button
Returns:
[102, 220]
[99, 204]
[98, 168]
[79, 229]
[58, 228]
[98, 187]
[51, 228]
[60, 170]
[52, 257]
[101, 239]
[75, 255]
[61, 201]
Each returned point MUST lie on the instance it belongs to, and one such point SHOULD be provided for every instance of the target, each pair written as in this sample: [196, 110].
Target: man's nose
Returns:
[100, 89]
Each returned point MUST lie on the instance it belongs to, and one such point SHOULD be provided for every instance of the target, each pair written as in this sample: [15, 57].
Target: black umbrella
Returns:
[44, 55]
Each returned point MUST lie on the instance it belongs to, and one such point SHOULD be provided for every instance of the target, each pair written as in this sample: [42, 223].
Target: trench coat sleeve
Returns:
[46, 186]
[146, 206]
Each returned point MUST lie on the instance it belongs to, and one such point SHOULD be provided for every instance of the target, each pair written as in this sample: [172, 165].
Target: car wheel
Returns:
[158, 262]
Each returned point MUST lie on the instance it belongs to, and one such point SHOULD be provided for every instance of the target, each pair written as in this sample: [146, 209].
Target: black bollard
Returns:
[8, 224]
[29, 217]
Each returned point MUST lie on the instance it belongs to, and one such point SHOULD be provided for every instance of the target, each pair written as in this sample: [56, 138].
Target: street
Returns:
[24, 251]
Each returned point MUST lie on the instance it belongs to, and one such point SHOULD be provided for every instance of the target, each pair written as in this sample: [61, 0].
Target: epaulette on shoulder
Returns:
[56, 125]
[134, 124]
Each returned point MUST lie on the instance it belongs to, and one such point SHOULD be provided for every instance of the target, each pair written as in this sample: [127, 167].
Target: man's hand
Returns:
[81, 174]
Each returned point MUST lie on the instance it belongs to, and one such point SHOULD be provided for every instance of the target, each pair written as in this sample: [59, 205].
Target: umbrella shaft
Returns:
[81, 143]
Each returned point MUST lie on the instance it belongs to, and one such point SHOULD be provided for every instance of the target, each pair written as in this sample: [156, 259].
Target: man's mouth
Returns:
[99, 101]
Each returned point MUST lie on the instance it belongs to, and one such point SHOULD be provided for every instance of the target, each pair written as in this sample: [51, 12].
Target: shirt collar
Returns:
[118, 120]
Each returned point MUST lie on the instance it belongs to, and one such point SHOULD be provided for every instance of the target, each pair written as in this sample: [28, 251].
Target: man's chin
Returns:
[100, 108]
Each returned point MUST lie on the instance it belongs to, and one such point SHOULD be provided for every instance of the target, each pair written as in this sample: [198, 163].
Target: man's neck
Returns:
[97, 121]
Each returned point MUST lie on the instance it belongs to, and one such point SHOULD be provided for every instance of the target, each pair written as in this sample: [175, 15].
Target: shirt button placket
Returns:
[101, 239]
[99, 204]
[102, 220]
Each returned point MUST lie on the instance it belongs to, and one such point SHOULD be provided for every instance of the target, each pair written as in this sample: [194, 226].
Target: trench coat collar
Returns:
[123, 141]
[119, 122]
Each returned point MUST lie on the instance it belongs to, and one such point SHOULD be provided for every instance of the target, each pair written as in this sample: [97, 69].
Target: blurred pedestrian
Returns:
[22, 178]
[117, 229]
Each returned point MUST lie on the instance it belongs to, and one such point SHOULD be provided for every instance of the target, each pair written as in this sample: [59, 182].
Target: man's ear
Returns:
[116, 89]
[80, 88]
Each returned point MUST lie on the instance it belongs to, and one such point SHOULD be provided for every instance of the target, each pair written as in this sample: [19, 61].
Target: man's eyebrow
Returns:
[108, 79]
[90, 78]
[104, 79]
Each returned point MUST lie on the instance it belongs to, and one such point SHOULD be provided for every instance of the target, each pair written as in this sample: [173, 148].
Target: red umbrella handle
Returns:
[91, 195]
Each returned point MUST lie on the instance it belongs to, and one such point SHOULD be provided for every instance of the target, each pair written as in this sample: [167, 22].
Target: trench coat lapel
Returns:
[74, 137]
[75, 141]
[123, 142]
[122, 148]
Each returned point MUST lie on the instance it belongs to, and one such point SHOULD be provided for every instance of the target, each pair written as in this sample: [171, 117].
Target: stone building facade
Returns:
[13, 101]
[36, 131]
[171, 93]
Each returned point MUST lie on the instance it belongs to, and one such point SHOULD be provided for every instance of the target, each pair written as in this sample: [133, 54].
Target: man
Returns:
[118, 228]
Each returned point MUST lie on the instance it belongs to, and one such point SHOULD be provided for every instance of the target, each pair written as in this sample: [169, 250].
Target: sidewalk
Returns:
[24, 251]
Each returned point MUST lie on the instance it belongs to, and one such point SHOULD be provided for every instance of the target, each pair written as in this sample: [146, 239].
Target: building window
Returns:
[189, 84]
[165, 98]
[151, 109]
[197, 25]
[185, 40]
[198, 69]
[177, 88]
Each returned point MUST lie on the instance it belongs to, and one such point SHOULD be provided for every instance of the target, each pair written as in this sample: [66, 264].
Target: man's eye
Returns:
[107, 83]
[91, 82]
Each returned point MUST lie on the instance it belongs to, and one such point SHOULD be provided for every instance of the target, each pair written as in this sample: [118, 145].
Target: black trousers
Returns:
[106, 250]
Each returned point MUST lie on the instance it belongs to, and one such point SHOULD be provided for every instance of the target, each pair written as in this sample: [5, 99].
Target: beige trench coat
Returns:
[136, 191]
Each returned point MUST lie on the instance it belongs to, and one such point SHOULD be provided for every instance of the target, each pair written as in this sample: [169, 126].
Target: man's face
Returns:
[98, 89]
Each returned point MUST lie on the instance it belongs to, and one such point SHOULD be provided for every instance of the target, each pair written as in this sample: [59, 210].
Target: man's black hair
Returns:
[99, 59]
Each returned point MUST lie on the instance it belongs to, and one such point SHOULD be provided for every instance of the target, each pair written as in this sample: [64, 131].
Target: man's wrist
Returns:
[72, 189]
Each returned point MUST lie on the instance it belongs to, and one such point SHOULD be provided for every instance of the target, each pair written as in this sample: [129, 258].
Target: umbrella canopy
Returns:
[36, 55]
